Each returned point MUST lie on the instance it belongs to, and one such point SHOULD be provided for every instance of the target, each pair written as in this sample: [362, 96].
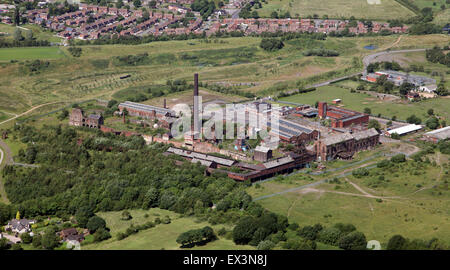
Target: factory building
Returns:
[438, 135]
[77, 118]
[292, 132]
[342, 118]
[345, 145]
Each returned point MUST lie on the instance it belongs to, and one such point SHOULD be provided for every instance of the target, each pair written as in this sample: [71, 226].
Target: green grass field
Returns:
[442, 17]
[43, 53]
[162, 236]
[230, 60]
[415, 201]
[388, 9]
[38, 32]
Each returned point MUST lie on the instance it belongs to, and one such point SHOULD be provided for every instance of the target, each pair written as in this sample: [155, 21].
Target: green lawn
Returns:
[38, 32]
[388, 9]
[359, 101]
[434, 4]
[163, 236]
[442, 17]
[43, 53]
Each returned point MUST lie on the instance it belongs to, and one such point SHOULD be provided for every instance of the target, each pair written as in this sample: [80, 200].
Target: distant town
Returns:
[176, 17]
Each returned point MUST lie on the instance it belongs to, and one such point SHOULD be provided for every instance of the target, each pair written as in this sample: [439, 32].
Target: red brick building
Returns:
[340, 117]
[78, 119]
[345, 145]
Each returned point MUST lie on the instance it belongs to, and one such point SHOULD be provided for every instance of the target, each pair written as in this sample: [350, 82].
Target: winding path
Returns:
[27, 112]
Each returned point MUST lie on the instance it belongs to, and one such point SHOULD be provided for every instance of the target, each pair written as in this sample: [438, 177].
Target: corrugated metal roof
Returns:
[200, 156]
[441, 134]
[145, 107]
[405, 129]
[365, 134]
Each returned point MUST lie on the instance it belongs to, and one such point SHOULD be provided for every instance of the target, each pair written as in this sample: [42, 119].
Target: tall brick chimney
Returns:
[322, 107]
[197, 123]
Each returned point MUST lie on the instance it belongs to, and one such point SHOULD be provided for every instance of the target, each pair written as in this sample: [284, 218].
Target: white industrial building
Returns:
[404, 130]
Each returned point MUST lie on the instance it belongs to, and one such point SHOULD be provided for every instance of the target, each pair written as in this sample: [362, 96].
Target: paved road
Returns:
[370, 58]
[334, 80]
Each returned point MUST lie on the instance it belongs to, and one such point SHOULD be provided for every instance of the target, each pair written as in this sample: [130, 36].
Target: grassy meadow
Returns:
[96, 74]
[361, 9]
[414, 200]
[162, 236]
[38, 32]
[31, 53]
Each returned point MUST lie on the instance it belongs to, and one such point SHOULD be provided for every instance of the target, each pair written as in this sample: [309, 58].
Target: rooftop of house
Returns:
[20, 224]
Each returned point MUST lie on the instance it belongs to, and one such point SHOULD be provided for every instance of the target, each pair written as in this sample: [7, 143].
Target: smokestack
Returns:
[195, 84]
[197, 124]
[165, 104]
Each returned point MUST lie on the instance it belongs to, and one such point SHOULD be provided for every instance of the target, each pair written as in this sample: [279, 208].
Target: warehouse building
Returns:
[438, 135]
[404, 130]
[345, 145]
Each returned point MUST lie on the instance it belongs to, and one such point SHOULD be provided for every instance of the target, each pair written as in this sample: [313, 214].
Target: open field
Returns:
[232, 60]
[359, 101]
[434, 4]
[43, 53]
[386, 9]
[38, 32]
[442, 17]
[412, 201]
[163, 236]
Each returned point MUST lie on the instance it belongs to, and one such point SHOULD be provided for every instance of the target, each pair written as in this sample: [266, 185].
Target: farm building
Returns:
[404, 130]
[438, 134]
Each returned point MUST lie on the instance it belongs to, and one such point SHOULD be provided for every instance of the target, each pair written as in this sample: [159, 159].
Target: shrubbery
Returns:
[271, 44]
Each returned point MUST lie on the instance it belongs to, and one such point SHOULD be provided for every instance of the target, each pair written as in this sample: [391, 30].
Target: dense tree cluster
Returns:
[196, 237]
[398, 242]
[372, 67]
[271, 44]
[95, 172]
[205, 7]
[321, 52]
[252, 229]
[438, 55]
